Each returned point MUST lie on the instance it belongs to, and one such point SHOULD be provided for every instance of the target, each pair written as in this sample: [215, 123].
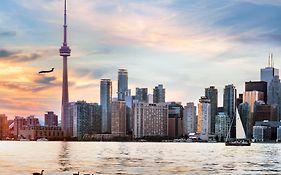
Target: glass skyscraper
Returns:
[122, 84]
[159, 94]
[212, 94]
[105, 101]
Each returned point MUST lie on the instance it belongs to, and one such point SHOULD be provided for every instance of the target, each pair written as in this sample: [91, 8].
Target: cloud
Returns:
[45, 80]
[8, 33]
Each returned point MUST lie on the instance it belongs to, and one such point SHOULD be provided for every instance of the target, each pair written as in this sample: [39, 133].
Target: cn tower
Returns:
[65, 52]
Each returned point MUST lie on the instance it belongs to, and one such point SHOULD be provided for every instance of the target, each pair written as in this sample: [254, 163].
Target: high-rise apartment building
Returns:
[122, 84]
[204, 118]
[150, 119]
[159, 94]
[189, 119]
[212, 94]
[51, 119]
[175, 120]
[142, 95]
[105, 101]
[118, 118]
[222, 126]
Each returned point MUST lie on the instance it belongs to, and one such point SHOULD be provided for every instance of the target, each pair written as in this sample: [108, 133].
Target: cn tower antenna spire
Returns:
[65, 25]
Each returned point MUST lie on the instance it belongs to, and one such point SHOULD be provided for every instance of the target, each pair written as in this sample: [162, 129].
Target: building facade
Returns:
[37, 132]
[142, 95]
[189, 119]
[260, 86]
[159, 94]
[150, 119]
[222, 126]
[212, 94]
[51, 119]
[118, 118]
[204, 118]
[3, 126]
[175, 120]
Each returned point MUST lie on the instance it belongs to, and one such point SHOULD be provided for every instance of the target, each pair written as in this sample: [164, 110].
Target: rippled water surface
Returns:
[20, 158]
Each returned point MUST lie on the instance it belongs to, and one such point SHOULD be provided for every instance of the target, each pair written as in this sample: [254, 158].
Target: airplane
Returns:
[48, 71]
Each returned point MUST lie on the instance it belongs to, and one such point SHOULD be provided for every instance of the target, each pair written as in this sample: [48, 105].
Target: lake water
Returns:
[20, 158]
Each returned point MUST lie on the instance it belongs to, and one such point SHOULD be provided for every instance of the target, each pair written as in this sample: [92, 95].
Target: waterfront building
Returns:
[265, 112]
[150, 119]
[118, 118]
[229, 104]
[51, 119]
[189, 119]
[159, 94]
[3, 127]
[204, 118]
[122, 84]
[270, 130]
[212, 94]
[278, 134]
[222, 125]
[37, 132]
[86, 119]
[105, 101]
[260, 133]
[175, 120]
[141, 95]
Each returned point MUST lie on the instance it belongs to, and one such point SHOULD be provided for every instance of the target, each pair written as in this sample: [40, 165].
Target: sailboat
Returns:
[241, 139]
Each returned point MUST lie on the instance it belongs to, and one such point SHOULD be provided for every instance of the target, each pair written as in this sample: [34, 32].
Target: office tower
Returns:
[229, 104]
[274, 94]
[86, 119]
[204, 118]
[122, 84]
[105, 101]
[118, 118]
[175, 120]
[159, 94]
[245, 115]
[251, 97]
[3, 127]
[150, 119]
[189, 118]
[65, 52]
[269, 72]
[260, 86]
[212, 94]
[141, 95]
[51, 119]
[222, 125]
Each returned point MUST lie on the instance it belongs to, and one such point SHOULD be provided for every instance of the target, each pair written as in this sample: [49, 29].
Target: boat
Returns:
[42, 139]
[241, 139]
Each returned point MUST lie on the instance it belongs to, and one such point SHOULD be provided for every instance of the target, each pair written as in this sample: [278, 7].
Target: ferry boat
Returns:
[241, 139]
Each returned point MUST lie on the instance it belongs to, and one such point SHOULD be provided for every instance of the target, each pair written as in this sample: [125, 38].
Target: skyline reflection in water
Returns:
[20, 158]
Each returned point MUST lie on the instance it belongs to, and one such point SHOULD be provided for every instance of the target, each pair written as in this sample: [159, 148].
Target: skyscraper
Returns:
[65, 52]
[189, 119]
[159, 94]
[229, 104]
[141, 95]
[122, 84]
[105, 101]
[269, 72]
[212, 94]
[260, 86]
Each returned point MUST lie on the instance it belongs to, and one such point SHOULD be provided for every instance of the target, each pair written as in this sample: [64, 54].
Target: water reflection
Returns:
[64, 157]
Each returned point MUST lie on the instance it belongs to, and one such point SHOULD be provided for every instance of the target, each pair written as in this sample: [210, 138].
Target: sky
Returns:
[186, 45]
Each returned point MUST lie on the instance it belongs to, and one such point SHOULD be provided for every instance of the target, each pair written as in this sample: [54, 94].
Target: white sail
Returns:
[240, 132]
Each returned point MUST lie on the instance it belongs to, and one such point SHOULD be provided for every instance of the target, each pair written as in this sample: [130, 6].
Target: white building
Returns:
[150, 119]
[189, 119]
[204, 118]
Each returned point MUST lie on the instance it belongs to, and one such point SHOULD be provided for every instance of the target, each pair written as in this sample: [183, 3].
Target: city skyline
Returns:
[136, 43]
